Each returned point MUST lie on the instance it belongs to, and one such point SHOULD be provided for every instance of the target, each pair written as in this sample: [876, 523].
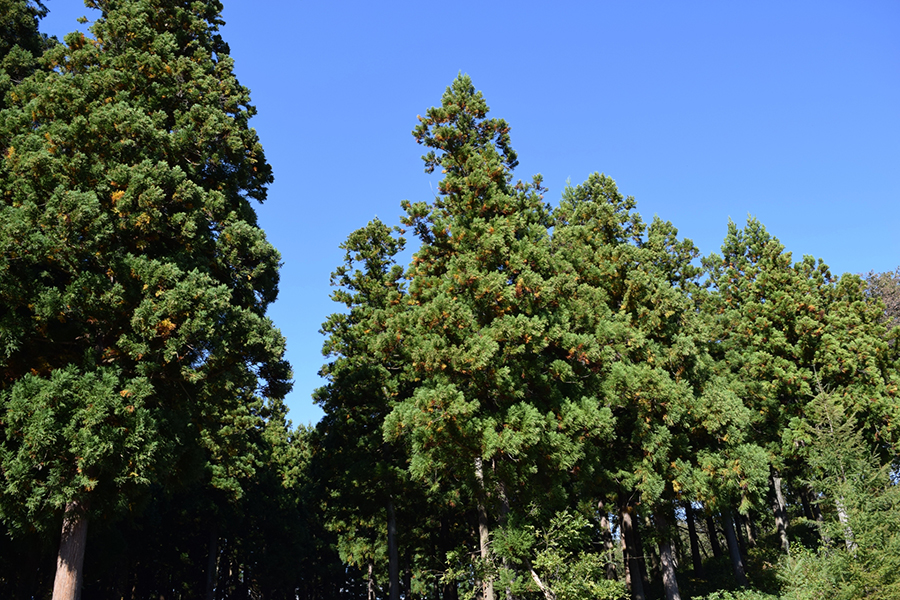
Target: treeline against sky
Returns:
[551, 401]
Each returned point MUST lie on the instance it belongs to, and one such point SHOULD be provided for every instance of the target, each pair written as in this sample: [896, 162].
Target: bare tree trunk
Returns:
[211, 556]
[748, 530]
[548, 593]
[606, 536]
[737, 563]
[667, 561]
[780, 510]
[370, 582]
[845, 521]
[713, 536]
[696, 559]
[641, 552]
[634, 570]
[483, 530]
[626, 561]
[70, 560]
[393, 555]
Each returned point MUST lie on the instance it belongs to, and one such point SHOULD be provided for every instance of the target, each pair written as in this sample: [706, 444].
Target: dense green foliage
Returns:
[555, 401]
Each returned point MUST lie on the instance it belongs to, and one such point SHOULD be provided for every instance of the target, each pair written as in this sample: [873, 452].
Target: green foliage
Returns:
[559, 555]
[863, 505]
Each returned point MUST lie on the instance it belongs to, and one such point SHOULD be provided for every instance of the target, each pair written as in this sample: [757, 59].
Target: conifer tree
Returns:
[134, 279]
[486, 413]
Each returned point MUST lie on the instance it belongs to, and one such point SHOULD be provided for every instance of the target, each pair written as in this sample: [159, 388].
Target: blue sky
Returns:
[789, 111]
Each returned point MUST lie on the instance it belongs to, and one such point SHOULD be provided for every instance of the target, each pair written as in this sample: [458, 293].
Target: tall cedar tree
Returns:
[134, 279]
[364, 474]
[486, 416]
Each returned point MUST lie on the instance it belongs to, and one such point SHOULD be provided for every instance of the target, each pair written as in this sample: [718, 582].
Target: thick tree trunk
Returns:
[748, 530]
[737, 563]
[666, 559]
[738, 529]
[713, 536]
[211, 556]
[780, 510]
[393, 554]
[483, 530]
[606, 536]
[696, 559]
[70, 560]
[633, 571]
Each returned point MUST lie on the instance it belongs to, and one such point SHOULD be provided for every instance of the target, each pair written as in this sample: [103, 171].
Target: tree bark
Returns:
[548, 593]
[370, 582]
[845, 521]
[666, 559]
[483, 530]
[713, 536]
[393, 554]
[211, 556]
[640, 552]
[696, 559]
[606, 536]
[780, 510]
[70, 560]
[633, 571]
[737, 563]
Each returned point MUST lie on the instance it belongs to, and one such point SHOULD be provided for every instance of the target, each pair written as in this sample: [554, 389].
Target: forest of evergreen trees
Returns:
[551, 400]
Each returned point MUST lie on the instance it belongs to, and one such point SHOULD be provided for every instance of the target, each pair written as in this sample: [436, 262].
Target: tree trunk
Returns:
[370, 582]
[696, 559]
[748, 530]
[626, 562]
[667, 561]
[449, 590]
[845, 521]
[713, 536]
[211, 556]
[393, 555]
[548, 593]
[70, 560]
[633, 570]
[738, 529]
[780, 510]
[483, 530]
[737, 563]
[640, 552]
[606, 536]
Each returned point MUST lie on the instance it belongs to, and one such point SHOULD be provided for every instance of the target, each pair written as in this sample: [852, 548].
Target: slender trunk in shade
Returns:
[640, 551]
[737, 563]
[739, 530]
[713, 536]
[779, 508]
[393, 554]
[845, 521]
[666, 559]
[606, 537]
[483, 530]
[212, 555]
[696, 559]
[626, 560]
[634, 569]
[370, 582]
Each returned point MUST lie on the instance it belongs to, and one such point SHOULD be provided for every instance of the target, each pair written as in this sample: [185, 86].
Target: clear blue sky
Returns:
[789, 111]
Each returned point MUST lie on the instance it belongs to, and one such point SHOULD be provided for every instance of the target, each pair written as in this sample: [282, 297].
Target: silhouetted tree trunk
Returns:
[393, 555]
[630, 554]
[737, 562]
[713, 536]
[696, 559]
